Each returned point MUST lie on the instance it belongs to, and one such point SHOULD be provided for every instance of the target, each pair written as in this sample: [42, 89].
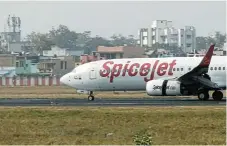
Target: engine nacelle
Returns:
[164, 88]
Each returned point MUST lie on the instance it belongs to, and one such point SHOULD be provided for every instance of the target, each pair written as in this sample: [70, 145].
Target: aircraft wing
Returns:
[196, 73]
[202, 68]
[169, 78]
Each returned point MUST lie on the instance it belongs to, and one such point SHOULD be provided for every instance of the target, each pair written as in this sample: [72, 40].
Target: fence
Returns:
[30, 81]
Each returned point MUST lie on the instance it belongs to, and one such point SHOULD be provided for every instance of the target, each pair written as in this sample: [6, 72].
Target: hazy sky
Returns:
[107, 18]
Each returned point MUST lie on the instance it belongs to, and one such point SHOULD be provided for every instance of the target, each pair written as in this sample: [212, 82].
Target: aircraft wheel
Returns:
[217, 95]
[203, 95]
[91, 97]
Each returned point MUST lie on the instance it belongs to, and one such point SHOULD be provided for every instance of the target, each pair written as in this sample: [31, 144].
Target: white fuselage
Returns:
[133, 74]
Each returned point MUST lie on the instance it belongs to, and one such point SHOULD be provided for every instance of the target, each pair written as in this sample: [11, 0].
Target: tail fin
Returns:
[207, 58]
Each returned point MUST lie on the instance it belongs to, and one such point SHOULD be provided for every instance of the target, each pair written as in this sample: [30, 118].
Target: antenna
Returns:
[12, 31]
[14, 23]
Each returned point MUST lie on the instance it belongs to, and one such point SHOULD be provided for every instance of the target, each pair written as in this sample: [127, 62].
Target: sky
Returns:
[105, 18]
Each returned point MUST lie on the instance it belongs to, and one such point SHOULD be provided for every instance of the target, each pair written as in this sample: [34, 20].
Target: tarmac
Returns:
[168, 101]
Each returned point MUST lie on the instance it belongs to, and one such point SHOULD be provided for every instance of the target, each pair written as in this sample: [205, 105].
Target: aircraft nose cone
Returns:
[63, 79]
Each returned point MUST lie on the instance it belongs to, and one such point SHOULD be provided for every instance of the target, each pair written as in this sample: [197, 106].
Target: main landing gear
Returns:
[91, 96]
[204, 95]
[217, 95]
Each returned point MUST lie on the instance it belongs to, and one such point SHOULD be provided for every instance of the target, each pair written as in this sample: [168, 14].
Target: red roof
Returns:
[101, 49]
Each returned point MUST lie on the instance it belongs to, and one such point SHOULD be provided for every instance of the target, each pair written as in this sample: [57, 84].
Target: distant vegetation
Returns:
[63, 37]
[204, 42]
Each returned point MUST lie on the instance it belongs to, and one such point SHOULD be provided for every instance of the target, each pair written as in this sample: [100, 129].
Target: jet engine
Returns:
[164, 88]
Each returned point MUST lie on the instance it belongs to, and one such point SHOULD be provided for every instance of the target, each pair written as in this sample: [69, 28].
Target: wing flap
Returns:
[205, 82]
[203, 66]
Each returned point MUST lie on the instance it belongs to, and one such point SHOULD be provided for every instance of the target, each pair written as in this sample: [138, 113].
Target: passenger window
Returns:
[173, 69]
[211, 68]
[177, 69]
[181, 69]
[219, 68]
[223, 68]
[189, 68]
[215, 68]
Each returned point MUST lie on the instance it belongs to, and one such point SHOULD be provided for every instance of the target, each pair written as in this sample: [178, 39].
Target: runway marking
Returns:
[222, 103]
[110, 102]
[126, 103]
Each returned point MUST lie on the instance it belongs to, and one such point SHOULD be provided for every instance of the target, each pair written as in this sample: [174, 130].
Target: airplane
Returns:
[173, 76]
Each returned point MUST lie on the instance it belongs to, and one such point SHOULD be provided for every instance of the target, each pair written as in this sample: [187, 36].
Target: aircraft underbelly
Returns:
[121, 84]
[129, 83]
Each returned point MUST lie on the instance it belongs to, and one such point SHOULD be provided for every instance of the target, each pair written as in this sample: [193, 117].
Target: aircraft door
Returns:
[92, 74]
[93, 78]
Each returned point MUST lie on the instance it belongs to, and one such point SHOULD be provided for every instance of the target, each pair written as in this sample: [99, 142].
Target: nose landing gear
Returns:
[91, 96]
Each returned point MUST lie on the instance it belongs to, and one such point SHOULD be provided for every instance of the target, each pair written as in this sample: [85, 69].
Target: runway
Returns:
[110, 102]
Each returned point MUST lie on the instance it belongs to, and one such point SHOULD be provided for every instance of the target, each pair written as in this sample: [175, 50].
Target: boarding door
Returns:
[92, 74]
[93, 79]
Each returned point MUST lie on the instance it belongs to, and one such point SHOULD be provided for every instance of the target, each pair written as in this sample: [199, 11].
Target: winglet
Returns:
[207, 58]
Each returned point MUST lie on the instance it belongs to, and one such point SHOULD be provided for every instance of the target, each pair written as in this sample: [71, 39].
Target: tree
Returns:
[131, 40]
[201, 43]
[204, 42]
[220, 39]
[40, 41]
[63, 37]
[120, 40]
[96, 41]
[83, 38]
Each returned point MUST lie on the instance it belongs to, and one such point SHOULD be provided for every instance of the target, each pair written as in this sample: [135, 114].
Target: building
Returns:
[187, 38]
[10, 39]
[7, 60]
[88, 58]
[224, 47]
[201, 53]
[23, 64]
[56, 65]
[27, 65]
[55, 50]
[163, 32]
[144, 38]
[7, 71]
[120, 52]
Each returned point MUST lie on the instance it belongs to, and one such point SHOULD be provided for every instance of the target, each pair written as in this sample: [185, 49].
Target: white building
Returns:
[143, 37]
[62, 52]
[163, 32]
